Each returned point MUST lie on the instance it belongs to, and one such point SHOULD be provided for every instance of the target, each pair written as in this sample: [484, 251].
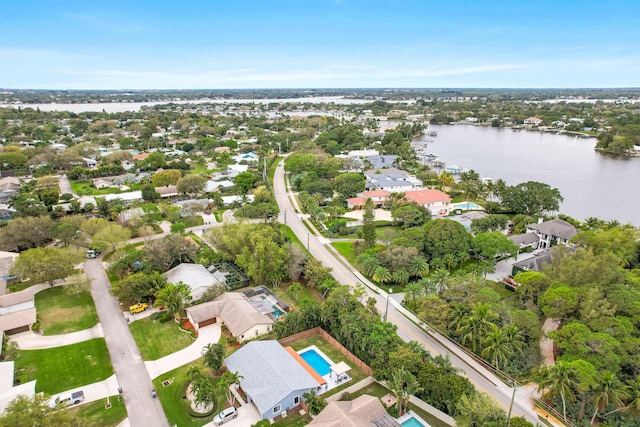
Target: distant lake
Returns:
[592, 184]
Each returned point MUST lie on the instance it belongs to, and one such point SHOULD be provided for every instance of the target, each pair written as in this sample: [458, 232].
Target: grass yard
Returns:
[346, 250]
[433, 421]
[63, 368]
[156, 340]
[334, 354]
[295, 420]
[294, 239]
[305, 293]
[192, 221]
[171, 396]
[61, 313]
[96, 414]
[87, 189]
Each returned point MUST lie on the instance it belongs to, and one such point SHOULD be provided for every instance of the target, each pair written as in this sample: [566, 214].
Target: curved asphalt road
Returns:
[142, 409]
[482, 378]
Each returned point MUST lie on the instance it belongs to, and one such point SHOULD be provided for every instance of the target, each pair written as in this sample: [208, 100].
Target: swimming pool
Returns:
[412, 422]
[316, 361]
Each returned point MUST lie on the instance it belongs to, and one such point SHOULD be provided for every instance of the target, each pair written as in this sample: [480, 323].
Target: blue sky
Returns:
[157, 44]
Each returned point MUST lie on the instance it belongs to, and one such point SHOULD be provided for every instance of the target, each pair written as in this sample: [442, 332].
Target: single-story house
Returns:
[229, 200]
[548, 232]
[247, 157]
[234, 170]
[214, 185]
[9, 185]
[197, 277]
[533, 121]
[223, 149]
[381, 161]
[7, 391]
[91, 163]
[17, 312]
[436, 201]
[272, 378]
[365, 411]
[378, 197]
[102, 183]
[243, 319]
[168, 191]
[126, 197]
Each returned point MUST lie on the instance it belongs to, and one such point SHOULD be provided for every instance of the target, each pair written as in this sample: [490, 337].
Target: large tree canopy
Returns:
[446, 239]
[531, 198]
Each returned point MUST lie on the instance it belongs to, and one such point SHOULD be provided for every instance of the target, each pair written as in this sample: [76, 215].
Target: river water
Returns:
[592, 184]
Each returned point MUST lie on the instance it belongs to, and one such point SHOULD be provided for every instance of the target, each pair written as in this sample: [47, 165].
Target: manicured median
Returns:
[63, 368]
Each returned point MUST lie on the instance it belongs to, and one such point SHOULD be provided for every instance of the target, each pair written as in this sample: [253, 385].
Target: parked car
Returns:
[510, 284]
[224, 416]
[66, 399]
[138, 308]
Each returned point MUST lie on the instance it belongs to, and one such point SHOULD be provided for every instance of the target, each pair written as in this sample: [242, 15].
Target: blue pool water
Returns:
[276, 311]
[317, 362]
[412, 422]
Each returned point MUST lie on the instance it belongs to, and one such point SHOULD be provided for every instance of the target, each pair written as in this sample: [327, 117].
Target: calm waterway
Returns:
[591, 183]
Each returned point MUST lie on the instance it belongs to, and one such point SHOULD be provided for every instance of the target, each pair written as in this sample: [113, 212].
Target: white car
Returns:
[224, 416]
[67, 399]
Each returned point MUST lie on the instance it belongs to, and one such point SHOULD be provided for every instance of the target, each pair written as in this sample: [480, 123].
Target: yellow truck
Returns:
[138, 308]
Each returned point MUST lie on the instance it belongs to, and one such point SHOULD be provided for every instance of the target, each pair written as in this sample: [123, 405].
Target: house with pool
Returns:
[275, 378]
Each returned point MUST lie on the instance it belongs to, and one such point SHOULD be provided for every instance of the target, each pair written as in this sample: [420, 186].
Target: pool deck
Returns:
[330, 381]
[410, 415]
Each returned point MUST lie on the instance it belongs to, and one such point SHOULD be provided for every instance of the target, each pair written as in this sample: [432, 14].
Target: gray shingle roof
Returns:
[269, 373]
[557, 227]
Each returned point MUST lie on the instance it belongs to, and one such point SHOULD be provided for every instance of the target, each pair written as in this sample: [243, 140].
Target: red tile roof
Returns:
[375, 193]
[357, 201]
[423, 197]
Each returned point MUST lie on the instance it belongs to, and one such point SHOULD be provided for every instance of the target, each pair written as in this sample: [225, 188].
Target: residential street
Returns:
[131, 373]
[481, 377]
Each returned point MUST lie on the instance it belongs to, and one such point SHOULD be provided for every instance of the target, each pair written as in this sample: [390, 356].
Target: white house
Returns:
[197, 277]
[246, 157]
[533, 121]
[552, 232]
[436, 201]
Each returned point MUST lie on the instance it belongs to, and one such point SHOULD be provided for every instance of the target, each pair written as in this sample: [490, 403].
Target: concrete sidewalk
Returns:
[31, 341]
[206, 335]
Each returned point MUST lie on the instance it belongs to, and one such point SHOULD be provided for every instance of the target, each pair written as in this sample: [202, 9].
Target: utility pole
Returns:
[513, 397]
[386, 310]
[308, 236]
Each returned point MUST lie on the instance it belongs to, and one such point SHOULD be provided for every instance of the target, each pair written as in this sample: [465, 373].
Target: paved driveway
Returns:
[247, 415]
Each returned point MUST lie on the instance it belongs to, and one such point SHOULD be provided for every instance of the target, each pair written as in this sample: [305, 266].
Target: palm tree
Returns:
[558, 379]
[476, 326]
[608, 391]
[401, 276]
[173, 297]
[403, 384]
[441, 277]
[230, 379]
[514, 338]
[418, 266]
[445, 363]
[413, 290]
[632, 392]
[314, 402]
[429, 286]
[213, 356]
[496, 347]
[381, 275]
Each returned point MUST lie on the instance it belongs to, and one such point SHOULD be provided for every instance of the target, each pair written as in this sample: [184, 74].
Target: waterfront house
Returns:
[533, 121]
[554, 232]
[436, 201]
[392, 180]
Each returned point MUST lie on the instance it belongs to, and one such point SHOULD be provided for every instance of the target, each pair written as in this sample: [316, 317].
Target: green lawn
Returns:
[295, 420]
[156, 340]
[96, 414]
[192, 221]
[334, 354]
[294, 239]
[63, 368]
[61, 313]
[87, 189]
[306, 293]
[346, 250]
[171, 396]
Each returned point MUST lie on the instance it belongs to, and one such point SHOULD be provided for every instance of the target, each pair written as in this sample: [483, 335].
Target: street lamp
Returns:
[308, 235]
[513, 397]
